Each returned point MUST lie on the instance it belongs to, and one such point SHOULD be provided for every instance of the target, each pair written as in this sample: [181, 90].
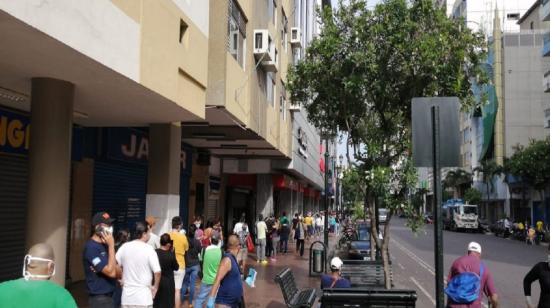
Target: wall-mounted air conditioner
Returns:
[271, 65]
[262, 45]
[295, 37]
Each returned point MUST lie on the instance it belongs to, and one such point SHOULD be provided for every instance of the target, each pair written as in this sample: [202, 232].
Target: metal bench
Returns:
[367, 274]
[367, 298]
[293, 297]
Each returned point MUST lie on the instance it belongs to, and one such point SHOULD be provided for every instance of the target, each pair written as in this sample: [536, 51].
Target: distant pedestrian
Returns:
[243, 253]
[192, 264]
[227, 290]
[168, 264]
[275, 239]
[335, 280]
[140, 266]
[284, 232]
[180, 248]
[205, 241]
[239, 225]
[308, 221]
[154, 239]
[100, 266]
[300, 236]
[219, 228]
[540, 272]
[467, 265]
[35, 289]
[295, 221]
[269, 237]
[261, 235]
[318, 224]
[211, 258]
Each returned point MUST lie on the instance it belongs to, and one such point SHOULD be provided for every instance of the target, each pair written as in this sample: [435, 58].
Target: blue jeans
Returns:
[203, 295]
[191, 274]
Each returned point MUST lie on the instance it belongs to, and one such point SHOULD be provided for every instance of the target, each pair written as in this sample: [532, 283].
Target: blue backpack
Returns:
[465, 287]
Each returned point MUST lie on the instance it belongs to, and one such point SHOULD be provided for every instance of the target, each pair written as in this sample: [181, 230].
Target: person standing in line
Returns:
[35, 288]
[284, 224]
[308, 221]
[100, 267]
[122, 237]
[300, 236]
[269, 237]
[227, 291]
[140, 265]
[261, 233]
[238, 226]
[335, 280]
[295, 221]
[471, 263]
[275, 238]
[211, 257]
[318, 224]
[205, 242]
[219, 228]
[243, 253]
[198, 224]
[154, 240]
[180, 247]
[168, 264]
[192, 264]
[540, 272]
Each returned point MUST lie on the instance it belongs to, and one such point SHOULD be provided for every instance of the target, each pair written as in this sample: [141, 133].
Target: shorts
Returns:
[242, 255]
[178, 278]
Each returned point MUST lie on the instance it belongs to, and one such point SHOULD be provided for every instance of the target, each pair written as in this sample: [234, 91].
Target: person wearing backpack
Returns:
[468, 279]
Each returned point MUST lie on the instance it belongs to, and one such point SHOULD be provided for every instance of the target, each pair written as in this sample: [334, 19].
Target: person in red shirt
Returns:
[471, 263]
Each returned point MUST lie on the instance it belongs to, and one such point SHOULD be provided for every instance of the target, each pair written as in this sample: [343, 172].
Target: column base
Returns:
[164, 208]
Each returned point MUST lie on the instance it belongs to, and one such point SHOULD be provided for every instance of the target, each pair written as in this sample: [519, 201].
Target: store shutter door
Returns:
[120, 190]
[184, 198]
[212, 209]
[13, 214]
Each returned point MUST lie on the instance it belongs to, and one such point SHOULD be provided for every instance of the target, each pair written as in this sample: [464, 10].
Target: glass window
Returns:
[272, 11]
[236, 37]
[270, 84]
[284, 30]
[282, 102]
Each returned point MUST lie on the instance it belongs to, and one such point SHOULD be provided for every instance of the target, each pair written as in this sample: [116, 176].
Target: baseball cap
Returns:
[102, 218]
[151, 220]
[336, 263]
[475, 247]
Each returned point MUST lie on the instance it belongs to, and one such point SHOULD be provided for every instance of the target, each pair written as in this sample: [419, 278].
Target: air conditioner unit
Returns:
[271, 65]
[294, 107]
[296, 37]
[262, 45]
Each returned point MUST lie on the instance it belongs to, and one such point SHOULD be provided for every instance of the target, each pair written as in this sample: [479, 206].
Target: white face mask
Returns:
[28, 259]
[198, 225]
[109, 229]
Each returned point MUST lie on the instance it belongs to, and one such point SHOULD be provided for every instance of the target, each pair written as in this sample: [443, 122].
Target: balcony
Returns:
[546, 44]
[546, 82]
[545, 10]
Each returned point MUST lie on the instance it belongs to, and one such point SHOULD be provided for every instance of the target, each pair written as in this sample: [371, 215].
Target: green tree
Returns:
[472, 196]
[457, 180]
[489, 169]
[360, 75]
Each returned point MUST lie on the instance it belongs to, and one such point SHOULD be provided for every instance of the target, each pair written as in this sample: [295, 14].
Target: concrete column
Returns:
[50, 167]
[163, 180]
[264, 194]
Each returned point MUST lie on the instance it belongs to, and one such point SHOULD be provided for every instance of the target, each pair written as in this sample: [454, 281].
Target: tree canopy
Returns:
[531, 163]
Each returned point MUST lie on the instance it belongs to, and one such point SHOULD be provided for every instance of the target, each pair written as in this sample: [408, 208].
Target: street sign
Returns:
[449, 133]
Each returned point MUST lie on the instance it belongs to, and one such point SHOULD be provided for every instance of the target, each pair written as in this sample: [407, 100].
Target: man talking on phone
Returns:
[100, 267]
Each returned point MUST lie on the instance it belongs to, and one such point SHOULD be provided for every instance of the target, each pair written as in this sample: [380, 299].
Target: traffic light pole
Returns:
[438, 223]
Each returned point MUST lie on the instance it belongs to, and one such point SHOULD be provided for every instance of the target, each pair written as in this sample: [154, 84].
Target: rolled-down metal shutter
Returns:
[13, 214]
[212, 209]
[120, 190]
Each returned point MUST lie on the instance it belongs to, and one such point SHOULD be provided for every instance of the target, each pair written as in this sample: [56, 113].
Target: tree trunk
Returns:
[385, 252]
[370, 209]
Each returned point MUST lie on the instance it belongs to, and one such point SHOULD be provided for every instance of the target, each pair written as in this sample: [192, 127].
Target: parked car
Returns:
[360, 249]
[382, 215]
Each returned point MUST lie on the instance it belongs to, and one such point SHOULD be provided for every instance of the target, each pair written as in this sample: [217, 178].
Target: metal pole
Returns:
[325, 239]
[438, 235]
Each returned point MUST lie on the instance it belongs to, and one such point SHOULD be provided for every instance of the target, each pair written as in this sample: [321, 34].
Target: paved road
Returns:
[508, 260]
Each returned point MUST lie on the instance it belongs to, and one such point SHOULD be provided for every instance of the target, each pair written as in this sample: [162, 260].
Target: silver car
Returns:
[382, 215]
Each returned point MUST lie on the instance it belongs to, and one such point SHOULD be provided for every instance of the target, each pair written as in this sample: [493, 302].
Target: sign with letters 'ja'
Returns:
[449, 132]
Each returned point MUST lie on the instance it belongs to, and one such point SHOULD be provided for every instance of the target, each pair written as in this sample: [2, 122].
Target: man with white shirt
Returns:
[139, 263]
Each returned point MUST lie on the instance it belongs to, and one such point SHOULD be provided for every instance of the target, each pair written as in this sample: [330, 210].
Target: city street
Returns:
[508, 260]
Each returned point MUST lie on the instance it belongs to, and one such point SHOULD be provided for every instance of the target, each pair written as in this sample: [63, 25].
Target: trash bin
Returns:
[318, 260]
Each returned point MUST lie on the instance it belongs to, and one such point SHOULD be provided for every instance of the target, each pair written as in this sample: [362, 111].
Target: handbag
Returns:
[249, 243]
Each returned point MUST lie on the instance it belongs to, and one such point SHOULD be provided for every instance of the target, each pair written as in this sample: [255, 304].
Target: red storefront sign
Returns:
[242, 180]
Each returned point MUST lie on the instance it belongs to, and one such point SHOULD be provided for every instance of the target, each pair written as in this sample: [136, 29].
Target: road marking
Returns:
[423, 290]
[401, 266]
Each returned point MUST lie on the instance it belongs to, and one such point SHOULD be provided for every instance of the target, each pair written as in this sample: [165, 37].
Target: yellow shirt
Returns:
[308, 220]
[539, 225]
[180, 247]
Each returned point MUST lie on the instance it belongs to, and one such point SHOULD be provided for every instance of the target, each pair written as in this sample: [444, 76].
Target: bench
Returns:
[293, 297]
[367, 274]
[368, 298]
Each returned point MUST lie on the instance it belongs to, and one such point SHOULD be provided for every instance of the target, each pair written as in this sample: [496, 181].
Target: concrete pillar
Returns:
[264, 194]
[50, 167]
[163, 179]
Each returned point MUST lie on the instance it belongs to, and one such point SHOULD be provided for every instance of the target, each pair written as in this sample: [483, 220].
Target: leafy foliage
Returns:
[489, 169]
[531, 163]
[456, 179]
[472, 196]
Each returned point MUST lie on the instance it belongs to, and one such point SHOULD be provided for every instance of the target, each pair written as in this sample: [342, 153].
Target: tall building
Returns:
[139, 108]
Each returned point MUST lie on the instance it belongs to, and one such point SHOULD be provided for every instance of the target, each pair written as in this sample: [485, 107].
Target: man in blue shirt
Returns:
[100, 267]
[334, 280]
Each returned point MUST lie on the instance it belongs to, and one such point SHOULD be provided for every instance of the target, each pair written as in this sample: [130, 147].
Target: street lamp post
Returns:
[325, 238]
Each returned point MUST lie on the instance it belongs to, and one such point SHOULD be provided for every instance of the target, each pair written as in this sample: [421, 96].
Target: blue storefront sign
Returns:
[15, 131]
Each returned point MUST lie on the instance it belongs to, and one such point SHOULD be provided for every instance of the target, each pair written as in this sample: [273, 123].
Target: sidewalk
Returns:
[267, 292]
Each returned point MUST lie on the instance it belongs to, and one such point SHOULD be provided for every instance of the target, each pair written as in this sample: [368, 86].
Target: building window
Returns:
[272, 11]
[284, 30]
[236, 36]
[282, 102]
[512, 16]
[270, 84]
[183, 29]
[532, 25]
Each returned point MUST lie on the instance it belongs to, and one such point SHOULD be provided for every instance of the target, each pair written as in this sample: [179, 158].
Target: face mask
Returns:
[28, 259]
[198, 225]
